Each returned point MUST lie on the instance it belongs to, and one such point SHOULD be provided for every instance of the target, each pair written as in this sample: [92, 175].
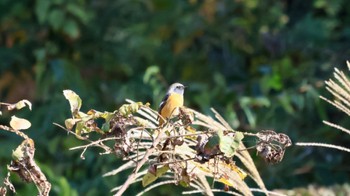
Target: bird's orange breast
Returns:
[171, 106]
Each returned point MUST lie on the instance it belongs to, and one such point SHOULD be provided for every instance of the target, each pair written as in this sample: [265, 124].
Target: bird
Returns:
[173, 99]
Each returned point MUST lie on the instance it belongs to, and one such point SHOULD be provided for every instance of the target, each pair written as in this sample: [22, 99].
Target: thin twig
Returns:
[17, 132]
[173, 162]
[137, 179]
[72, 132]
[266, 191]
[92, 143]
[156, 185]
[323, 145]
[214, 190]
[337, 127]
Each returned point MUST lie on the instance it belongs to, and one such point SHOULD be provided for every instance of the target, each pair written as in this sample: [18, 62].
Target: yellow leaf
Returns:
[70, 122]
[226, 180]
[127, 109]
[148, 178]
[19, 123]
[236, 169]
[19, 105]
[74, 101]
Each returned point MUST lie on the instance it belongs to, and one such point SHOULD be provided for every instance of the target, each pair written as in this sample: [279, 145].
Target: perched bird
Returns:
[173, 99]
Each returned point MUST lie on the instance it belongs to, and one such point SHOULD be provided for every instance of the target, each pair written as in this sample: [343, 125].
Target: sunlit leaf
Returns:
[226, 180]
[17, 154]
[92, 112]
[19, 123]
[148, 178]
[202, 167]
[79, 129]
[236, 169]
[237, 139]
[185, 179]
[141, 122]
[228, 144]
[21, 151]
[185, 183]
[229, 170]
[127, 109]
[70, 122]
[74, 101]
[19, 105]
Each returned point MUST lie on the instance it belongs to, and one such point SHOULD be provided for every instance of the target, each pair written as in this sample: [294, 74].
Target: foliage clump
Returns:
[184, 151]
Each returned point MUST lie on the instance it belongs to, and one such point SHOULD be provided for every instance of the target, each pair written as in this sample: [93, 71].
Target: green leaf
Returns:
[105, 127]
[185, 183]
[150, 71]
[74, 101]
[211, 146]
[148, 178]
[56, 19]
[18, 153]
[22, 150]
[185, 179]
[79, 12]
[71, 28]
[79, 129]
[237, 139]
[41, 9]
[228, 144]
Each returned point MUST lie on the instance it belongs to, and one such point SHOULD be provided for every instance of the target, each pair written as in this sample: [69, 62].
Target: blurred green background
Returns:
[261, 64]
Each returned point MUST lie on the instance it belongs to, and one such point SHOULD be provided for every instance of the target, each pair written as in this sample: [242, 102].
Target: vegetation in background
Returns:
[261, 64]
[23, 163]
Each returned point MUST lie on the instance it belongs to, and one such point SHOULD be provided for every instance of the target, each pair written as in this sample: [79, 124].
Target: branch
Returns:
[131, 178]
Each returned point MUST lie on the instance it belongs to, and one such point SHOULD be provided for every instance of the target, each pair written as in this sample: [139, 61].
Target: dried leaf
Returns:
[185, 179]
[127, 109]
[25, 167]
[19, 123]
[70, 122]
[226, 180]
[19, 105]
[271, 145]
[74, 101]
[80, 128]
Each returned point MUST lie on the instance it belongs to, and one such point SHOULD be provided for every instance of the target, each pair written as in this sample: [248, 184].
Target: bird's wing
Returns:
[162, 104]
